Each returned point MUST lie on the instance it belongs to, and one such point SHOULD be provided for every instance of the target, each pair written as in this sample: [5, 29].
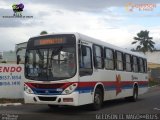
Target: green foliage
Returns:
[145, 42]
[153, 83]
[43, 32]
[3, 62]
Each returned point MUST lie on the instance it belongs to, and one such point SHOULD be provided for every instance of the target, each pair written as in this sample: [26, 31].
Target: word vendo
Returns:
[10, 69]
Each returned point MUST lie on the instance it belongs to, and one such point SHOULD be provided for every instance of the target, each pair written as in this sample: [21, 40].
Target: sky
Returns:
[112, 21]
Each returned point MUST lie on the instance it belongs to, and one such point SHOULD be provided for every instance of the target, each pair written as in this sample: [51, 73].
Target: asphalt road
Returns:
[148, 103]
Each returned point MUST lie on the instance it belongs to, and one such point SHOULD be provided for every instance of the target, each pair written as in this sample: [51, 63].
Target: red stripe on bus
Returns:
[83, 84]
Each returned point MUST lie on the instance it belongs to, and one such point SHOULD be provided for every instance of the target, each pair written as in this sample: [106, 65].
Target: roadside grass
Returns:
[4, 100]
[153, 83]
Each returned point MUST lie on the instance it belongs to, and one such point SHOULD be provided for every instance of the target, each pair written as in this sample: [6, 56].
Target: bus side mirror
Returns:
[18, 59]
[84, 50]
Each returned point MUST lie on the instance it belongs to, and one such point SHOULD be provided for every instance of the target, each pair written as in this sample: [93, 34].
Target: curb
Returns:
[10, 104]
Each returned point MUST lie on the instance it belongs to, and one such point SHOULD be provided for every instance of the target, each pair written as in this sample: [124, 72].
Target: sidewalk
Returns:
[11, 102]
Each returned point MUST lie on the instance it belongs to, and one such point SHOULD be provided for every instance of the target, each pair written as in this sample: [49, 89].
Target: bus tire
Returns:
[98, 99]
[134, 97]
[135, 94]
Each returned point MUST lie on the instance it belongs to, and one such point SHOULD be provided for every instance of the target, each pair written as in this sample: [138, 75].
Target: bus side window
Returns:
[128, 62]
[98, 56]
[141, 65]
[85, 60]
[135, 64]
[109, 59]
[138, 61]
[119, 60]
[145, 65]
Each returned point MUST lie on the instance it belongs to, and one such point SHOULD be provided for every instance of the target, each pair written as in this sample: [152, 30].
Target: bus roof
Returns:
[99, 42]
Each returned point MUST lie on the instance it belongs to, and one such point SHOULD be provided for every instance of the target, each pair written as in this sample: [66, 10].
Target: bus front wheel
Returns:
[98, 99]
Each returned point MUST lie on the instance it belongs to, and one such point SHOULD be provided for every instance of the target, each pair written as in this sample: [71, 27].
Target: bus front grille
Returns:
[47, 98]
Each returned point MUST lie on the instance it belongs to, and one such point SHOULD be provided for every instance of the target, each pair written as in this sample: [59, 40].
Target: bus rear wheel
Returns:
[98, 99]
[134, 98]
[135, 95]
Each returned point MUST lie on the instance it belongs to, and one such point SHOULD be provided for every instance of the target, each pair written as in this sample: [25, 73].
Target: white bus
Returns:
[74, 69]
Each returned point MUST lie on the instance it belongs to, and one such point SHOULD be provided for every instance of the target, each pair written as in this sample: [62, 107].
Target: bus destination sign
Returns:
[50, 41]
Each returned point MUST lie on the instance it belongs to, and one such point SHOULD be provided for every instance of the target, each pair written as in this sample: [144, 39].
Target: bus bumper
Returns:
[70, 99]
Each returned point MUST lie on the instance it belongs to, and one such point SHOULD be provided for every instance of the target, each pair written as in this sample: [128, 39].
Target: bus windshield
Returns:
[55, 63]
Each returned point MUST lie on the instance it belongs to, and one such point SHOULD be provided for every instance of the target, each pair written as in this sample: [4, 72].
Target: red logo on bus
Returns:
[118, 84]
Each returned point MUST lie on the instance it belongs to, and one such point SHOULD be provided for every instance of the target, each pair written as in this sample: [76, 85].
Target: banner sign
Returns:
[11, 80]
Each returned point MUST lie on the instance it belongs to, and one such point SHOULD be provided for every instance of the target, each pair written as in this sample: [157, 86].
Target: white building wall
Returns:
[153, 57]
[9, 56]
[22, 51]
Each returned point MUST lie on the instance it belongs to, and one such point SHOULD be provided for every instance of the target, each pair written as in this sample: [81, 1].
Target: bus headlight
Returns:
[27, 89]
[70, 89]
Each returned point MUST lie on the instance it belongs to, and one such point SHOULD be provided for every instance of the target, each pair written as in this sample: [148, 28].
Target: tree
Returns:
[43, 32]
[145, 42]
